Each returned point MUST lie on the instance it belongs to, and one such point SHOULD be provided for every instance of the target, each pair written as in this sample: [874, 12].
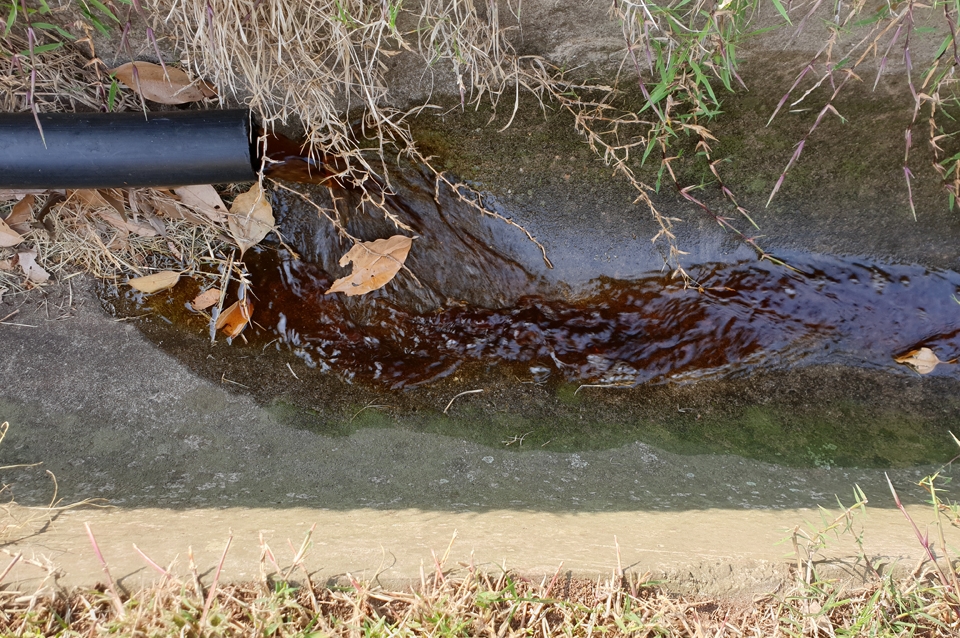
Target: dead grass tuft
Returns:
[466, 601]
[325, 64]
[114, 235]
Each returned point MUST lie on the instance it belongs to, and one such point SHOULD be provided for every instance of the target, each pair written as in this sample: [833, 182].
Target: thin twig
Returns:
[111, 586]
[213, 587]
[460, 395]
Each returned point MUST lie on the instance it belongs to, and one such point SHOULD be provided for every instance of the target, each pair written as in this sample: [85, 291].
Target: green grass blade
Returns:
[781, 10]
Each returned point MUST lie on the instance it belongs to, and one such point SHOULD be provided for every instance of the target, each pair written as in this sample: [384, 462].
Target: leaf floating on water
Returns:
[923, 360]
[204, 199]
[205, 299]
[33, 270]
[251, 218]
[235, 318]
[155, 282]
[8, 236]
[374, 264]
[170, 87]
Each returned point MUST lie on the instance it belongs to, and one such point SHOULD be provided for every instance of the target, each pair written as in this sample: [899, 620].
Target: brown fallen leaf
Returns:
[8, 236]
[172, 87]
[115, 202]
[89, 197]
[374, 264]
[144, 230]
[203, 198]
[205, 299]
[156, 282]
[28, 263]
[19, 218]
[169, 209]
[235, 317]
[923, 360]
[251, 218]
[6, 265]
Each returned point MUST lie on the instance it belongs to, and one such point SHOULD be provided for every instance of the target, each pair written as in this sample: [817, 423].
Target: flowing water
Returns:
[476, 290]
[786, 364]
[743, 317]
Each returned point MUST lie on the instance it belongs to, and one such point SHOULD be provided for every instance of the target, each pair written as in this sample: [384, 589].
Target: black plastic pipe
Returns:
[119, 150]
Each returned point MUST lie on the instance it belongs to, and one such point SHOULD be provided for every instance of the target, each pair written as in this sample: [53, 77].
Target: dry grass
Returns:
[325, 64]
[84, 232]
[466, 601]
[463, 600]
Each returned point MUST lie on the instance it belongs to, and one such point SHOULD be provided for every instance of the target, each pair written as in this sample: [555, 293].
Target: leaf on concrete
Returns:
[922, 360]
[8, 236]
[170, 87]
[235, 318]
[374, 264]
[19, 218]
[251, 218]
[156, 282]
[203, 198]
[33, 270]
[205, 299]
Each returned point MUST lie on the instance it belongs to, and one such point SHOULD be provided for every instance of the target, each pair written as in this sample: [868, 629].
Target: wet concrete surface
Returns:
[114, 417]
[185, 440]
[182, 460]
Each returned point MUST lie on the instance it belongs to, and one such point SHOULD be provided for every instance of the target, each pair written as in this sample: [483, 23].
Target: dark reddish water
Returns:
[745, 316]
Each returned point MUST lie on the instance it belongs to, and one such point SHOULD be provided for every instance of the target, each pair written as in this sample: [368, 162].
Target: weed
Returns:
[324, 63]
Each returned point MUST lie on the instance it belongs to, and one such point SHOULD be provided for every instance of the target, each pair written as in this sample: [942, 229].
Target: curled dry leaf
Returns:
[251, 218]
[8, 236]
[172, 87]
[374, 264]
[923, 360]
[205, 299]
[88, 196]
[115, 202]
[19, 218]
[235, 318]
[204, 199]
[156, 282]
[33, 270]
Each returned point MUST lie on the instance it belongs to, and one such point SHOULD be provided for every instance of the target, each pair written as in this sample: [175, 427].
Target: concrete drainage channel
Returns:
[182, 461]
[176, 444]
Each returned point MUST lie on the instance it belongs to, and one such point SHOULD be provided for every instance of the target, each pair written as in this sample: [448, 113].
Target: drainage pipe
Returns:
[120, 150]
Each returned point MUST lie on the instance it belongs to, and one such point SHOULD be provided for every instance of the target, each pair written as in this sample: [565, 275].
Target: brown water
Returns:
[745, 316]
[481, 294]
